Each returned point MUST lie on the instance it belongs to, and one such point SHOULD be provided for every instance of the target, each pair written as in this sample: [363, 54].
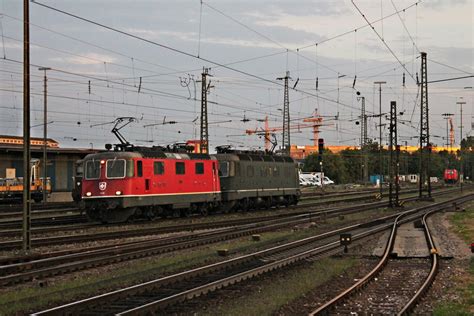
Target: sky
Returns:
[98, 74]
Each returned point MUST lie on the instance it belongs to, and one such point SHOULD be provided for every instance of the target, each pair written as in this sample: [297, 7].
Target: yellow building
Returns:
[301, 152]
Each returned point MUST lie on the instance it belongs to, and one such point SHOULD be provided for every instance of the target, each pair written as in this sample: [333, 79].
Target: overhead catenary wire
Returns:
[156, 92]
[404, 26]
[178, 51]
[359, 28]
[383, 40]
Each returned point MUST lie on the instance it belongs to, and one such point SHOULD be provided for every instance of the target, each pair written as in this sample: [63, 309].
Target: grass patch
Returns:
[463, 225]
[268, 297]
[85, 284]
[465, 293]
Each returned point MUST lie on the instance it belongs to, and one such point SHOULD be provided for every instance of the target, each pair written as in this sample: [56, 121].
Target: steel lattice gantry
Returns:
[425, 145]
[204, 135]
[394, 150]
[286, 143]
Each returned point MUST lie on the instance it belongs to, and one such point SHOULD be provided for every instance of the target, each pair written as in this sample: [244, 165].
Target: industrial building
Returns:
[60, 164]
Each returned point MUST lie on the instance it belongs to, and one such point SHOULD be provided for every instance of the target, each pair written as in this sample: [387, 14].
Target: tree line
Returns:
[347, 165]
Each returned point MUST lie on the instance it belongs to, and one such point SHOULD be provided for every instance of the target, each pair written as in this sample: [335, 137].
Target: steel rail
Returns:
[78, 306]
[22, 269]
[150, 307]
[9, 215]
[325, 308]
[67, 219]
[111, 254]
[58, 225]
[40, 206]
[177, 228]
[56, 240]
[433, 271]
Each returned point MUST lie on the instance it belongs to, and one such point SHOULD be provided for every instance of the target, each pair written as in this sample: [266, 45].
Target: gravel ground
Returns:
[216, 301]
[452, 269]
[319, 228]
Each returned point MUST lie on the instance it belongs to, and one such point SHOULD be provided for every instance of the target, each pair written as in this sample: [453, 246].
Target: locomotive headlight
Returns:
[118, 192]
[88, 193]
[102, 162]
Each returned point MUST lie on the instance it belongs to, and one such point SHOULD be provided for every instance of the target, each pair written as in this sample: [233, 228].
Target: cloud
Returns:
[219, 40]
[87, 59]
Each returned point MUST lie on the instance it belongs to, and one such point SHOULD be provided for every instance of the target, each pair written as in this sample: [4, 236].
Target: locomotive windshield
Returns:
[92, 169]
[223, 169]
[115, 168]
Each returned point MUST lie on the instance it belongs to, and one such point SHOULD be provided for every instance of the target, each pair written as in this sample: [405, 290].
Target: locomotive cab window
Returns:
[158, 167]
[92, 169]
[180, 169]
[199, 168]
[223, 169]
[115, 169]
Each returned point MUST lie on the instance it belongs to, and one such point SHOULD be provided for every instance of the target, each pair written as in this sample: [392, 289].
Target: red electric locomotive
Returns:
[451, 176]
[148, 182]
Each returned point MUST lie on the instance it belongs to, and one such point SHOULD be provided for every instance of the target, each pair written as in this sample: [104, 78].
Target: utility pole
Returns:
[461, 173]
[286, 143]
[394, 157]
[204, 139]
[425, 145]
[380, 83]
[26, 129]
[448, 142]
[45, 134]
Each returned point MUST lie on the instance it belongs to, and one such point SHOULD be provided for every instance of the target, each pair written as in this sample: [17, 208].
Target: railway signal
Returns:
[345, 240]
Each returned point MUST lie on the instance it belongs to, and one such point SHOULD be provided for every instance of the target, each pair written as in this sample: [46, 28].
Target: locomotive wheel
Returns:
[204, 210]
[268, 202]
[287, 201]
[186, 212]
[150, 214]
[244, 205]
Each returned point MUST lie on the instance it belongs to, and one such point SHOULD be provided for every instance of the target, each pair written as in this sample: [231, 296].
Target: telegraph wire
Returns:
[243, 25]
[450, 79]
[178, 50]
[82, 56]
[404, 26]
[383, 41]
[88, 43]
[157, 92]
[448, 66]
[360, 27]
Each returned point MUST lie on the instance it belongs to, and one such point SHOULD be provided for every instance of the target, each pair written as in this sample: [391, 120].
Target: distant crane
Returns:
[314, 122]
[317, 121]
[451, 132]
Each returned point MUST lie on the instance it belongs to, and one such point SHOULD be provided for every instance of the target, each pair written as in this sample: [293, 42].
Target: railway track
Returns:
[10, 223]
[62, 222]
[36, 206]
[394, 286]
[152, 296]
[58, 240]
[19, 269]
[63, 218]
